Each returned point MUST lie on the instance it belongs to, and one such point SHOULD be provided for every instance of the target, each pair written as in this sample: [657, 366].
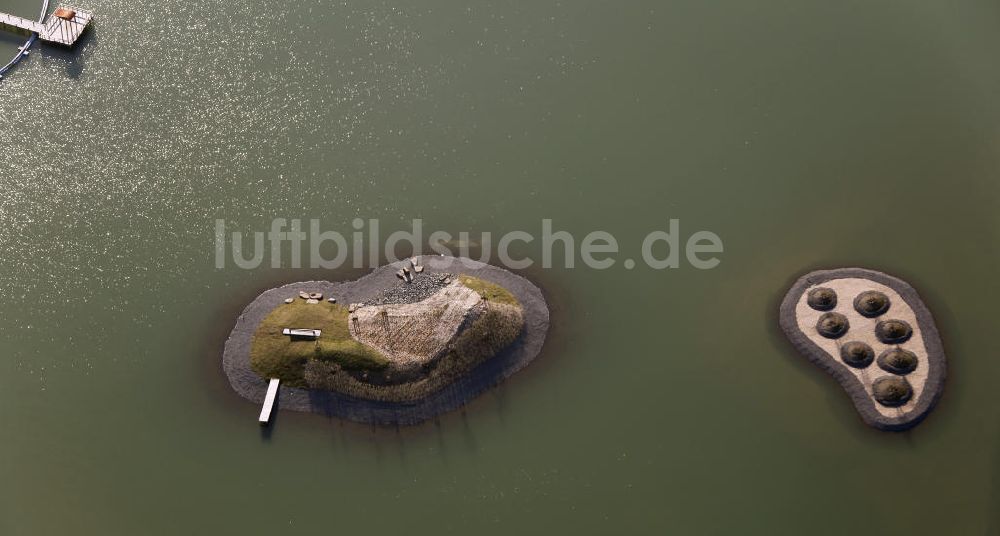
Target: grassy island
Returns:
[274, 355]
[411, 341]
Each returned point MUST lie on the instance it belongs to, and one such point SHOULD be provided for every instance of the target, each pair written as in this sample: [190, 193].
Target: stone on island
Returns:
[873, 333]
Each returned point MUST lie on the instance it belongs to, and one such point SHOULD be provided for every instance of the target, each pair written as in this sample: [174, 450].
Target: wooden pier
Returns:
[21, 23]
[272, 395]
[64, 26]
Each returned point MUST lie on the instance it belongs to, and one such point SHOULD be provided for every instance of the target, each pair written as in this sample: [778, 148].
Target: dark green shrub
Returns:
[822, 299]
[832, 325]
[871, 303]
[857, 354]
[892, 391]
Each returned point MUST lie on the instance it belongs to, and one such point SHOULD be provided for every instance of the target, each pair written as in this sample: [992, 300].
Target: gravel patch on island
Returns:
[379, 285]
[423, 286]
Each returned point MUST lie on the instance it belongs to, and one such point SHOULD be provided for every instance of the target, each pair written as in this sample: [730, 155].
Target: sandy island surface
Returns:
[798, 320]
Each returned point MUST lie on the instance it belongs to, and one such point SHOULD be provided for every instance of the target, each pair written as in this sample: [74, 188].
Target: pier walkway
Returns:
[22, 23]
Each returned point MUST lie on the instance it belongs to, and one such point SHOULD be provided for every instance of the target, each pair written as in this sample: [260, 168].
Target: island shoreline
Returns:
[864, 404]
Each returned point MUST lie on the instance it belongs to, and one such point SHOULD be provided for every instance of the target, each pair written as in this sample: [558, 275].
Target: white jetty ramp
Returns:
[63, 27]
[272, 395]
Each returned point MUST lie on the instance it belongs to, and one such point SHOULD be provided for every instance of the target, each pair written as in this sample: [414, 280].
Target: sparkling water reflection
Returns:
[798, 134]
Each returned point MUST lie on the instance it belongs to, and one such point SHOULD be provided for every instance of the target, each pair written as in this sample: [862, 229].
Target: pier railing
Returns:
[22, 23]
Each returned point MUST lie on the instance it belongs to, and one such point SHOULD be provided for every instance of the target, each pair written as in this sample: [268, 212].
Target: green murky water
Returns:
[806, 134]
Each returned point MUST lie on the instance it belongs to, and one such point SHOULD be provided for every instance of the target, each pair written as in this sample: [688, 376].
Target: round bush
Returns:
[857, 354]
[898, 361]
[822, 299]
[832, 325]
[871, 303]
[892, 391]
[893, 331]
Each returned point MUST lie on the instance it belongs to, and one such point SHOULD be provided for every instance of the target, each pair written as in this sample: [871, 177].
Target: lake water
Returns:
[805, 134]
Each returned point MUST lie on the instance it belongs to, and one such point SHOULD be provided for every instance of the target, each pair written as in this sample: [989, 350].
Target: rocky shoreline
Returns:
[236, 356]
[863, 400]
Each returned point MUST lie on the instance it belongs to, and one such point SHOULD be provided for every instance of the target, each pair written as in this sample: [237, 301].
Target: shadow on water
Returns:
[471, 443]
[267, 431]
[10, 39]
[73, 59]
[499, 396]
[400, 446]
[377, 446]
[442, 444]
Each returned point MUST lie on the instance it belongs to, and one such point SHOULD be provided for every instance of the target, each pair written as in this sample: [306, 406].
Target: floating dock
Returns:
[272, 395]
[64, 26]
